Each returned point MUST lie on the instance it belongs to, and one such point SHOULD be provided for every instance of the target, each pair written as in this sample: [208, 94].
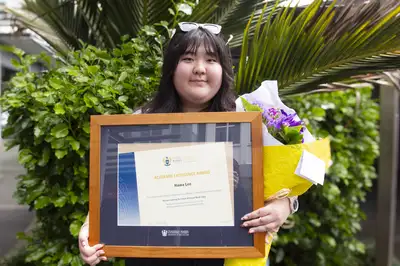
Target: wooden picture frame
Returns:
[103, 228]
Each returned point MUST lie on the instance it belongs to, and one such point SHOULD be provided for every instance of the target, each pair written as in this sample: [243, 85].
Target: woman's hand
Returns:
[90, 255]
[268, 218]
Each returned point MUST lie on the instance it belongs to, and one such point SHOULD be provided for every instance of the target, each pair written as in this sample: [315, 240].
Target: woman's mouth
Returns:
[198, 81]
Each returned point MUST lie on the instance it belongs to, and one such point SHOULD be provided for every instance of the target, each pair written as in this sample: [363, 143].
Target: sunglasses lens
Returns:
[212, 28]
[187, 26]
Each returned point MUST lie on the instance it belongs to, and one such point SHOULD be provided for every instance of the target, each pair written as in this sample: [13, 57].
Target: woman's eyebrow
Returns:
[189, 53]
[212, 54]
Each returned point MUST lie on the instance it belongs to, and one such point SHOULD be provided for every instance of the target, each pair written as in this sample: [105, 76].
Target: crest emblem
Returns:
[167, 161]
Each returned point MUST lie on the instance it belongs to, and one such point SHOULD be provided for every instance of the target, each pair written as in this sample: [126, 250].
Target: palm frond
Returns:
[373, 64]
[233, 15]
[322, 44]
[103, 22]
[42, 29]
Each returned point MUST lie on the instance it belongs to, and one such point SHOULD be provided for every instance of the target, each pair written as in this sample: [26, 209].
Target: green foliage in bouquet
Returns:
[329, 218]
[49, 114]
[282, 126]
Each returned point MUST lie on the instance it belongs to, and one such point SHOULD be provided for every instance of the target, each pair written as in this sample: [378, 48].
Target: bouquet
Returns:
[293, 160]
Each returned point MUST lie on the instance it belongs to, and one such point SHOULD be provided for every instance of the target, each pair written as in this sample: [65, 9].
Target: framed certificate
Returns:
[176, 185]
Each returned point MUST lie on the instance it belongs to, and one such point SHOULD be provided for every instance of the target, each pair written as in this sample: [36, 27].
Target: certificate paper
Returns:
[177, 186]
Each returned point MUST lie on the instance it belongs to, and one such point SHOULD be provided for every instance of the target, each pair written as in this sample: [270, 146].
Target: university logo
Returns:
[166, 233]
[167, 161]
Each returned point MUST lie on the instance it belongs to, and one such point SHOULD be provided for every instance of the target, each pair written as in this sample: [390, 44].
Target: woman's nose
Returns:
[199, 69]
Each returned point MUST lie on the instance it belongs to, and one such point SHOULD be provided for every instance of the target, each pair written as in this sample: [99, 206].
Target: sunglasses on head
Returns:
[188, 26]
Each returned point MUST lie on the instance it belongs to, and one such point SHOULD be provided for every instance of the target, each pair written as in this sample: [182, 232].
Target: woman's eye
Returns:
[187, 59]
[212, 60]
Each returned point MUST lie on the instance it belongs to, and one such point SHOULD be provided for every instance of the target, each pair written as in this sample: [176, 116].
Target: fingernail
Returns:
[251, 231]
[244, 218]
[104, 258]
[102, 252]
[245, 224]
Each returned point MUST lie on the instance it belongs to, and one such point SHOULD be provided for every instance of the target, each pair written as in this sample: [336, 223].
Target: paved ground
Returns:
[13, 217]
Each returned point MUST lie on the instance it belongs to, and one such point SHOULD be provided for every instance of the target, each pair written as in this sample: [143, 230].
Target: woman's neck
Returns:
[194, 108]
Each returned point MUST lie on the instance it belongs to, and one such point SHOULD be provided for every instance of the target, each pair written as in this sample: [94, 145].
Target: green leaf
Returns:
[250, 107]
[339, 128]
[60, 130]
[82, 79]
[61, 154]
[75, 227]
[59, 109]
[90, 100]
[74, 199]
[37, 132]
[318, 112]
[12, 49]
[66, 259]
[56, 83]
[123, 76]
[74, 143]
[58, 144]
[15, 63]
[47, 260]
[42, 202]
[35, 256]
[25, 156]
[45, 157]
[86, 127]
[60, 202]
[35, 193]
[76, 261]
[123, 98]
[93, 69]
[22, 236]
[292, 135]
[330, 241]
[81, 153]
[185, 8]
[83, 170]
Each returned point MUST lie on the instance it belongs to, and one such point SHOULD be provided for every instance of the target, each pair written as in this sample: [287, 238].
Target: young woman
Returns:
[197, 76]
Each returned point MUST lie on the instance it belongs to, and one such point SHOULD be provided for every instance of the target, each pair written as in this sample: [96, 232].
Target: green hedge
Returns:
[49, 121]
[49, 116]
[330, 215]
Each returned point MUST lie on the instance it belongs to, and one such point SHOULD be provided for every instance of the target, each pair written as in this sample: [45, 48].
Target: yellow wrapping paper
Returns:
[280, 163]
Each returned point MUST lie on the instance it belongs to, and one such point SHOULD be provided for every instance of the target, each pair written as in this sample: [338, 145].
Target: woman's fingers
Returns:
[264, 220]
[256, 214]
[95, 258]
[88, 251]
[264, 228]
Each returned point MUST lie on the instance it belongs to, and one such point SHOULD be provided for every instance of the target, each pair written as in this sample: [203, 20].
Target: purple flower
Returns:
[277, 120]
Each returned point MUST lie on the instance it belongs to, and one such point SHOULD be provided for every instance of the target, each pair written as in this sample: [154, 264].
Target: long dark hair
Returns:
[167, 99]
